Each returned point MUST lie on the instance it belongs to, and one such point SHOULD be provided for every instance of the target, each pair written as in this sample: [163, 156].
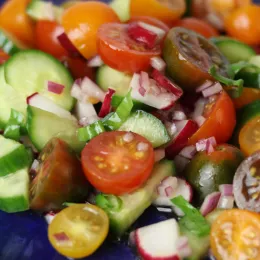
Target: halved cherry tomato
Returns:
[59, 178]
[121, 52]
[220, 120]
[198, 26]
[46, 33]
[243, 24]
[235, 234]
[79, 230]
[248, 96]
[3, 57]
[249, 137]
[81, 22]
[15, 21]
[167, 11]
[117, 162]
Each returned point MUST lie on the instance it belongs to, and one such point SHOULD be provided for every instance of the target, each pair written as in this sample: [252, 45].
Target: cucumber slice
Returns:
[40, 10]
[29, 71]
[109, 78]
[14, 191]
[9, 98]
[42, 126]
[122, 9]
[147, 125]
[13, 156]
[255, 60]
[234, 50]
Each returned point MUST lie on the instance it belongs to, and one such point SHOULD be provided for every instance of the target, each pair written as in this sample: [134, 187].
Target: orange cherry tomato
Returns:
[198, 26]
[3, 57]
[117, 162]
[249, 137]
[235, 234]
[220, 120]
[15, 21]
[167, 11]
[244, 25]
[248, 96]
[46, 33]
[120, 52]
[81, 22]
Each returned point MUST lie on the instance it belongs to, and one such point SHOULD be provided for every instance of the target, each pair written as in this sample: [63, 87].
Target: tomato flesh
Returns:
[115, 166]
[78, 230]
[122, 53]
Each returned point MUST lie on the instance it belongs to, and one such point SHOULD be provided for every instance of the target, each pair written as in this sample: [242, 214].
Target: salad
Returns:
[108, 109]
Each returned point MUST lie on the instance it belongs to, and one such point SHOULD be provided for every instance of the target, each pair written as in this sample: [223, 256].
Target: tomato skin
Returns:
[3, 57]
[156, 9]
[243, 24]
[65, 182]
[115, 50]
[248, 96]
[46, 33]
[118, 155]
[81, 22]
[220, 123]
[15, 21]
[198, 26]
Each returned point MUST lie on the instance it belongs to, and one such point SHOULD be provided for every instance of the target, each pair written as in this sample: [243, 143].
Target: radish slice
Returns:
[86, 113]
[226, 202]
[226, 189]
[49, 217]
[188, 151]
[68, 45]
[158, 63]
[36, 100]
[204, 86]
[91, 89]
[158, 241]
[96, 61]
[159, 154]
[179, 116]
[55, 87]
[156, 30]
[106, 105]
[180, 163]
[199, 107]
[200, 120]
[210, 203]
[214, 89]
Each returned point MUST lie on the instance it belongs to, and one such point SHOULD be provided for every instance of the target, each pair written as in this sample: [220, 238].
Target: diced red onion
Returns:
[188, 151]
[199, 108]
[165, 210]
[179, 115]
[158, 63]
[91, 89]
[144, 83]
[106, 105]
[226, 189]
[183, 247]
[156, 30]
[85, 112]
[159, 154]
[142, 147]
[96, 61]
[180, 163]
[35, 165]
[68, 45]
[210, 203]
[62, 238]
[131, 240]
[128, 137]
[161, 191]
[226, 202]
[171, 128]
[209, 147]
[204, 86]
[55, 87]
[212, 140]
[206, 145]
[76, 90]
[200, 120]
[49, 217]
[214, 89]
[170, 181]
[169, 191]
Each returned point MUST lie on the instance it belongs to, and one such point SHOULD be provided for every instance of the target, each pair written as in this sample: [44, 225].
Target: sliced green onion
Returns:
[121, 114]
[192, 220]
[88, 132]
[237, 67]
[109, 202]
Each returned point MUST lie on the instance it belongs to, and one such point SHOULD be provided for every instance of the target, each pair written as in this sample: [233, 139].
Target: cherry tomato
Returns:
[3, 57]
[220, 120]
[46, 33]
[115, 48]
[246, 183]
[167, 11]
[150, 20]
[198, 26]
[79, 230]
[235, 234]
[118, 162]
[248, 96]
[81, 22]
[249, 137]
[59, 178]
[243, 24]
[15, 21]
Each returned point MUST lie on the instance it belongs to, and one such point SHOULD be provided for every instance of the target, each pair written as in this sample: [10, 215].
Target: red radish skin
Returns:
[106, 105]
[68, 45]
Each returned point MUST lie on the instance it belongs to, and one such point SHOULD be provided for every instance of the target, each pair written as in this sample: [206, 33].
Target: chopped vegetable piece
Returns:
[88, 132]
[106, 105]
[109, 202]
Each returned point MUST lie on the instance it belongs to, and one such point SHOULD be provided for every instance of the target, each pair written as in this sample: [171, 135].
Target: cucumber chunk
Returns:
[13, 156]
[147, 125]
[14, 191]
[234, 50]
[29, 71]
[255, 60]
[134, 204]
[122, 9]
[42, 126]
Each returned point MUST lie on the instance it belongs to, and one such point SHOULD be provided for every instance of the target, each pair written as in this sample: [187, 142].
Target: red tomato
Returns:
[46, 33]
[120, 52]
[220, 122]
[116, 164]
[3, 57]
[198, 26]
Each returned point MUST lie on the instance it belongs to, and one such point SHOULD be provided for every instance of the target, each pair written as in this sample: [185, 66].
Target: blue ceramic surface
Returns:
[23, 236]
